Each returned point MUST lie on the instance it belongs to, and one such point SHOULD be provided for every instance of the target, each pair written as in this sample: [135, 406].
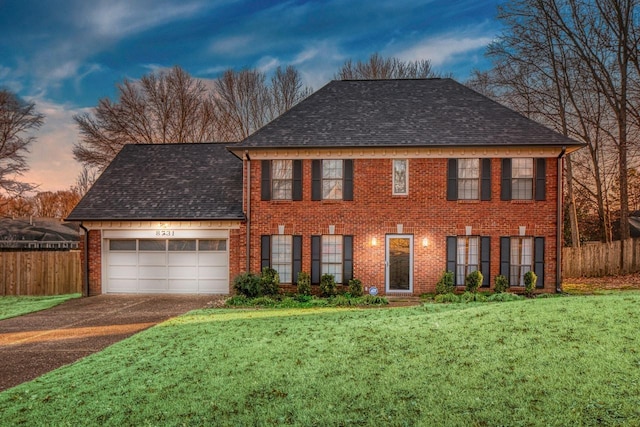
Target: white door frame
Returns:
[388, 237]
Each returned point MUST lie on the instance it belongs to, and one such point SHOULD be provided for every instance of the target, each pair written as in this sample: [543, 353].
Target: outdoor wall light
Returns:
[374, 241]
[425, 242]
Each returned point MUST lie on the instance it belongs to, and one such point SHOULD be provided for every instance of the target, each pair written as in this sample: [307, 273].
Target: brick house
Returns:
[388, 181]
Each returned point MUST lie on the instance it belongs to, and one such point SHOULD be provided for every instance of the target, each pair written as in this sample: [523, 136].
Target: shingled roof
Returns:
[391, 113]
[166, 182]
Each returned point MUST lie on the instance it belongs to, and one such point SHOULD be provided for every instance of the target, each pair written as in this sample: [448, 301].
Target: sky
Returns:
[65, 55]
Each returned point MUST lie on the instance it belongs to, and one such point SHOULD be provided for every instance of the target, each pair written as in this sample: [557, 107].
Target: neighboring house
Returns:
[392, 182]
[38, 234]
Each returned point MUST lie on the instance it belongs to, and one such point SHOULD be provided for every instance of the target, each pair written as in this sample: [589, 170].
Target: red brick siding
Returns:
[95, 262]
[425, 212]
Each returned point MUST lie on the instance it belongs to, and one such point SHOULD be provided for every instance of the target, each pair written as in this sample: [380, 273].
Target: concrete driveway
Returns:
[40, 342]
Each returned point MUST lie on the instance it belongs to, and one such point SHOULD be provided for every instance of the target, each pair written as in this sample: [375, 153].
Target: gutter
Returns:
[248, 257]
[559, 223]
[85, 279]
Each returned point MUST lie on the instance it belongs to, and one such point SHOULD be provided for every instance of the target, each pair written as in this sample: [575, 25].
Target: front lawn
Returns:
[13, 306]
[546, 361]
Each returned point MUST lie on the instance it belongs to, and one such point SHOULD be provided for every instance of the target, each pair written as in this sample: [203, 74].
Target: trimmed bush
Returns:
[472, 297]
[304, 283]
[328, 286]
[355, 288]
[530, 280]
[247, 284]
[504, 297]
[445, 285]
[501, 284]
[473, 281]
[270, 281]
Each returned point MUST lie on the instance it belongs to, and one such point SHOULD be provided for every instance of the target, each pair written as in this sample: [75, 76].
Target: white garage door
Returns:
[167, 266]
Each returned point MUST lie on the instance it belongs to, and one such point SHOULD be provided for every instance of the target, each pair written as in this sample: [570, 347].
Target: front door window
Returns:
[399, 263]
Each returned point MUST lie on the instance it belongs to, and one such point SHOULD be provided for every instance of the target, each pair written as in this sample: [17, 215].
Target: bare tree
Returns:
[378, 68]
[167, 106]
[18, 119]
[287, 90]
[246, 102]
[569, 63]
[84, 181]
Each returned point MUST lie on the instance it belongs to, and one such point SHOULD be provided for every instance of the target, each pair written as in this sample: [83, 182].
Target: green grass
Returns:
[14, 306]
[548, 361]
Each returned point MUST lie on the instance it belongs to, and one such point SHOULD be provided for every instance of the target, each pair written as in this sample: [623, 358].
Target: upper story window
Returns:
[332, 175]
[468, 179]
[523, 179]
[281, 179]
[332, 179]
[400, 177]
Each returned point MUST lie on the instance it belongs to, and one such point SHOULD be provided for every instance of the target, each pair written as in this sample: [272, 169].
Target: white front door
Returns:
[399, 263]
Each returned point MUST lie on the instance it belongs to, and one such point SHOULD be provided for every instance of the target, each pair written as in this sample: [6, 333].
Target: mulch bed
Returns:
[594, 284]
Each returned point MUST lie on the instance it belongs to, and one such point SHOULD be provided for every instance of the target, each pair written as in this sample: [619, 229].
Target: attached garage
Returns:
[186, 266]
[163, 219]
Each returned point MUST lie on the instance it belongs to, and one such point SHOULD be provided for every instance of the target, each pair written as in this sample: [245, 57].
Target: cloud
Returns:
[442, 50]
[118, 19]
[231, 45]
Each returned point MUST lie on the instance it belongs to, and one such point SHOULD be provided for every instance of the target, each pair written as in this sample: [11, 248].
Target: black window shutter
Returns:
[485, 259]
[347, 186]
[315, 259]
[297, 180]
[539, 261]
[452, 179]
[541, 178]
[505, 256]
[451, 255]
[297, 257]
[316, 180]
[505, 189]
[485, 184]
[266, 180]
[347, 262]
[265, 251]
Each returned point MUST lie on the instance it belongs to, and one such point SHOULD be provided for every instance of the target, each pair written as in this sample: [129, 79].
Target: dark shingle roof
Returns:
[165, 182]
[388, 113]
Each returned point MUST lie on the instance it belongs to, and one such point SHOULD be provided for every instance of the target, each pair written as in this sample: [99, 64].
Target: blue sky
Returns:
[67, 54]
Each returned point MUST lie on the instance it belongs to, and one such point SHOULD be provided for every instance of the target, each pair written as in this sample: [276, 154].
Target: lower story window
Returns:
[282, 257]
[467, 258]
[521, 259]
[332, 256]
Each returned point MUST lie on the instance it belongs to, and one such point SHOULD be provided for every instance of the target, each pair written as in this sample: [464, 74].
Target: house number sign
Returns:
[165, 233]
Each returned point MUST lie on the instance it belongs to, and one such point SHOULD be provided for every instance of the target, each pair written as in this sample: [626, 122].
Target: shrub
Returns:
[501, 285]
[269, 281]
[472, 297]
[445, 285]
[530, 280]
[247, 284]
[264, 301]
[237, 300]
[446, 298]
[504, 297]
[355, 288]
[372, 300]
[328, 286]
[473, 281]
[303, 298]
[304, 283]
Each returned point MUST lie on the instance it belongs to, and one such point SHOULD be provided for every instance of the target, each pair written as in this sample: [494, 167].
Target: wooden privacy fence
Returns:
[601, 259]
[40, 273]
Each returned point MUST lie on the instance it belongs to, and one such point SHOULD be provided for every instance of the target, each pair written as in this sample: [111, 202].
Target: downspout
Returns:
[85, 278]
[559, 223]
[248, 258]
